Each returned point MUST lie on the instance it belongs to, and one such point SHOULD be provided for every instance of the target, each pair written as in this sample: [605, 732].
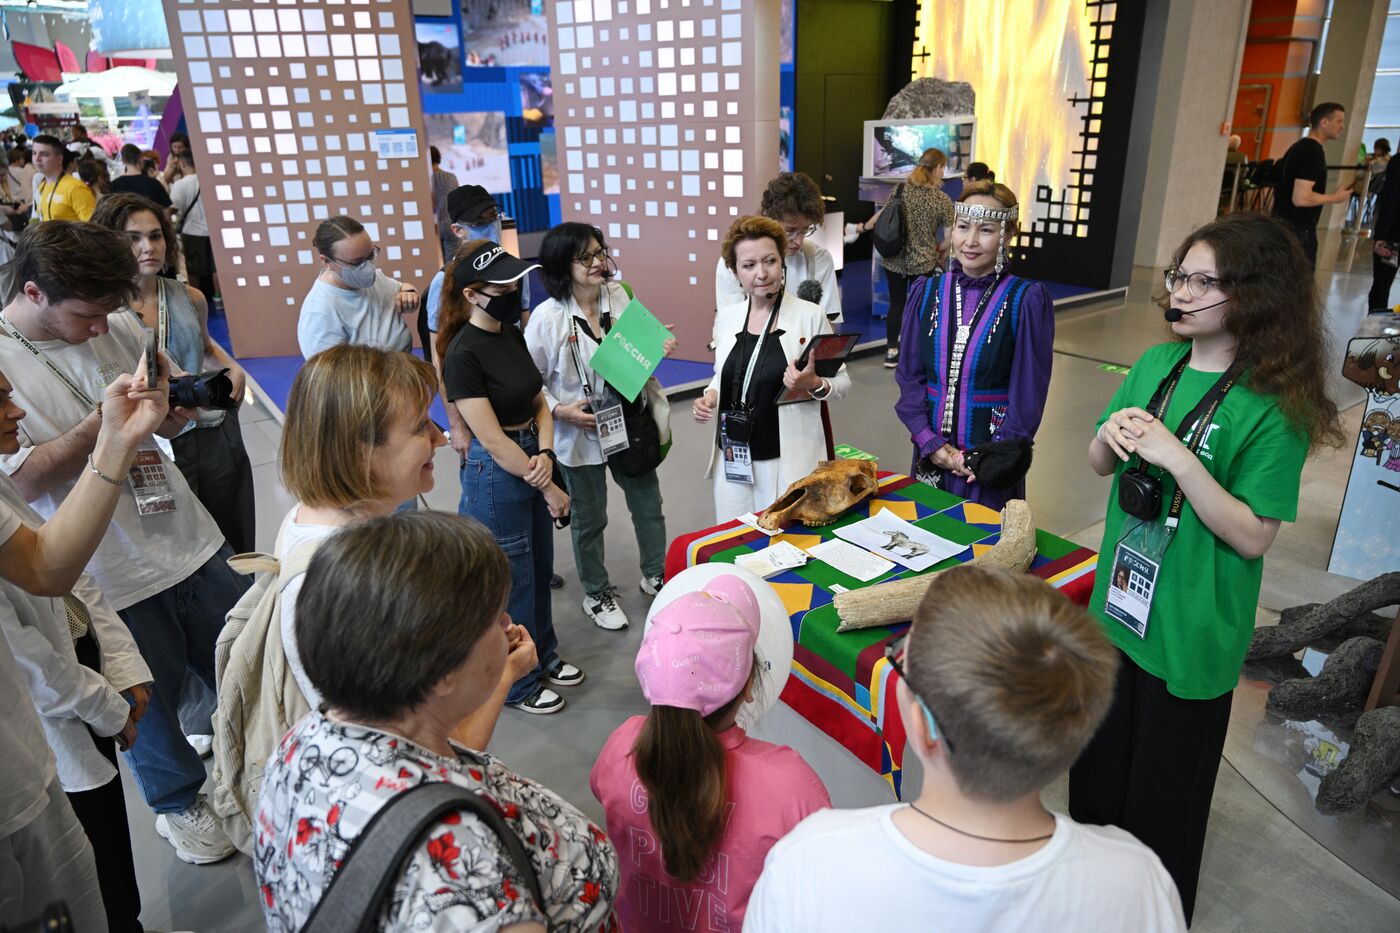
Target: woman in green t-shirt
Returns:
[1180, 604]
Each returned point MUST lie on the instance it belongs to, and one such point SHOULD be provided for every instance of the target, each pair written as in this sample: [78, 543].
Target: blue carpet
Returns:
[275, 373]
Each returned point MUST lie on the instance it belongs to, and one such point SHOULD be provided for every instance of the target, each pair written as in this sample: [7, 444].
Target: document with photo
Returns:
[897, 540]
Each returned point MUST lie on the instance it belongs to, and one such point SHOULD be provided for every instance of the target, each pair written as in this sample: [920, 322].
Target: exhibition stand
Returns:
[841, 683]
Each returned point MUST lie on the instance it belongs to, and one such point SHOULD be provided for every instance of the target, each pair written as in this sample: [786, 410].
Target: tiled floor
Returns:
[1261, 871]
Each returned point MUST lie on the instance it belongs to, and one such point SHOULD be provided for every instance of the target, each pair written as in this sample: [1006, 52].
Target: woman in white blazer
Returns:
[761, 447]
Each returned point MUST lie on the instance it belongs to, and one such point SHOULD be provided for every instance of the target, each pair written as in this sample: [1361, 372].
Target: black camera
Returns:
[1140, 494]
[207, 390]
[737, 425]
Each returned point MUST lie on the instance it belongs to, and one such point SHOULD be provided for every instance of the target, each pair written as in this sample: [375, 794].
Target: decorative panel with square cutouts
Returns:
[284, 101]
[667, 119]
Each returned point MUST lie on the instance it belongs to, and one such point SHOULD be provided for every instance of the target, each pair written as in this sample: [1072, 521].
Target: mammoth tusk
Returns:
[896, 601]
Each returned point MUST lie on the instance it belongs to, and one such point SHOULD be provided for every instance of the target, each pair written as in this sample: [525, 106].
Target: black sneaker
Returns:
[892, 357]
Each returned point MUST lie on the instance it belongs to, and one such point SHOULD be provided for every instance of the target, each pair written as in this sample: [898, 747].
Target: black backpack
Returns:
[889, 229]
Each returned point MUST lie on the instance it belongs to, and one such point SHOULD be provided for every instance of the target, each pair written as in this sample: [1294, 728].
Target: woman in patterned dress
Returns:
[927, 211]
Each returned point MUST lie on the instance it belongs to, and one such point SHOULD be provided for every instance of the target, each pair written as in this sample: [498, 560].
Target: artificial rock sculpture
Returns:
[895, 601]
[1338, 692]
[932, 97]
[822, 496]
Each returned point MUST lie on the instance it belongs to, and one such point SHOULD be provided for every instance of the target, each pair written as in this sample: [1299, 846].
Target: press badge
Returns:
[612, 429]
[150, 483]
[738, 462]
[1137, 563]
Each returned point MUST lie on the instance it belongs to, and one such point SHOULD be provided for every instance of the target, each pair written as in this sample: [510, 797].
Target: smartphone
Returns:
[152, 359]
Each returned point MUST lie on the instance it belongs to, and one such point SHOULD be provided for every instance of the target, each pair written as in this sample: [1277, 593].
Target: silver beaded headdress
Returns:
[981, 212]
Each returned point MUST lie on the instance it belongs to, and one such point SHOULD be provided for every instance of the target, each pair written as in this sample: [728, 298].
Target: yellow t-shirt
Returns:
[66, 199]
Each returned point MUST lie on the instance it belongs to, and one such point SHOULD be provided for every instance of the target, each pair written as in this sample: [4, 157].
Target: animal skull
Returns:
[820, 497]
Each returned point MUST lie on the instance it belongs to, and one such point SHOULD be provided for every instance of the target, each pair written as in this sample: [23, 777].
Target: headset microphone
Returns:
[1175, 314]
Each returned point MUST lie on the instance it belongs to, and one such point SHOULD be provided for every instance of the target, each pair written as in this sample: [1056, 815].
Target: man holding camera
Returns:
[162, 561]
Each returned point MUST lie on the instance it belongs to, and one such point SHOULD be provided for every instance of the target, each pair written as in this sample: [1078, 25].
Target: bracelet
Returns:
[103, 476]
[549, 452]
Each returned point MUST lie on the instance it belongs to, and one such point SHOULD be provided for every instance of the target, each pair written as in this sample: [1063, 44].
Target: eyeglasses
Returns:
[587, 259]
[894, 653]
[1197, 283]
[373, 255]
[794, 233]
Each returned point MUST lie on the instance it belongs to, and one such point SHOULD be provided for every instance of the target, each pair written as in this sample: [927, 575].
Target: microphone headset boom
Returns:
[1175, 314]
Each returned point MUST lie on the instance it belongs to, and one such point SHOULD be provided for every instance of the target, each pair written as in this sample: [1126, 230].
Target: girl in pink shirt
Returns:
[692, 803]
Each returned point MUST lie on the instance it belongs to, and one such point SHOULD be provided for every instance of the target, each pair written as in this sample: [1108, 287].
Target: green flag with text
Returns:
[631, 351]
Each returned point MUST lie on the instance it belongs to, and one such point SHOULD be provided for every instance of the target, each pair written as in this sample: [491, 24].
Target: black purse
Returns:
[643, 453]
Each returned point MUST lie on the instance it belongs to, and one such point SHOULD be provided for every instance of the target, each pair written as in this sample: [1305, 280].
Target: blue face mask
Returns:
[491, 231]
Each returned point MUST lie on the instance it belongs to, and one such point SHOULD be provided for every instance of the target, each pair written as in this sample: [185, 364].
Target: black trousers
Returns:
[899, 293]
[215, 464]
[1382, 277]
[1151, 770]
[102, 813]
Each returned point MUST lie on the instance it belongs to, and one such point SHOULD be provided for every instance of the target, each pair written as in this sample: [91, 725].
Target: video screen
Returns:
[895, 150]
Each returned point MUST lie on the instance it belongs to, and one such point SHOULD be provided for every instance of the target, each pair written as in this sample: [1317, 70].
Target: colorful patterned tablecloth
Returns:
[841, 682]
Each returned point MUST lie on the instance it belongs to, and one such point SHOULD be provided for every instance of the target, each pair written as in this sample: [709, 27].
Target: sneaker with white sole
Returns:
[604, 610]
[565, 675]
[541, 703]
[203, 745]
[198, 838]
[892, 357]
[652, 585]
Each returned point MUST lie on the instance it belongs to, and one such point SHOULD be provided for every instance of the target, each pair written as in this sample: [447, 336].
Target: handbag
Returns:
[889, 229]
[643, 453]
[367, 875]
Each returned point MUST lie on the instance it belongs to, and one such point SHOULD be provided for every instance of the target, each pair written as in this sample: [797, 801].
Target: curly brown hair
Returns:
[793, 197]
[751, 227]
[1274, 315]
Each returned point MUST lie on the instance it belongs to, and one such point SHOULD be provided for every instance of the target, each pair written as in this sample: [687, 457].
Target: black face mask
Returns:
[505, 308]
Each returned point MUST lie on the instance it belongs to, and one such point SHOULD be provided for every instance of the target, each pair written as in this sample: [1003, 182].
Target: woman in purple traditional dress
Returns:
[978, 343]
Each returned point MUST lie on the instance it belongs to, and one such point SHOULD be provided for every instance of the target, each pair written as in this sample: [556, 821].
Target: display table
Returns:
[841, 682]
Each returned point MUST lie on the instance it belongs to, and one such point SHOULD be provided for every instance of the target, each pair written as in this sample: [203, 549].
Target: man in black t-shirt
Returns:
[1301, 191]
[134, 180]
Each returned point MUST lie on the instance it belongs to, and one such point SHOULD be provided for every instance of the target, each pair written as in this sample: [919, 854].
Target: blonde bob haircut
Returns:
[343, 404]
[751, 227]
[1016, 676]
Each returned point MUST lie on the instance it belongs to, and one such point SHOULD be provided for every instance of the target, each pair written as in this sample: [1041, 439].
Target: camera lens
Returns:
[207, 390]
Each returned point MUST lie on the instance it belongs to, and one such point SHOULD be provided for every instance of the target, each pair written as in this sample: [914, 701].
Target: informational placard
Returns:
[396, 144]
[631, 351]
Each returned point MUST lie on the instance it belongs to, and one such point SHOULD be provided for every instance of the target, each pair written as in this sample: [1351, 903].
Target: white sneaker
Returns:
[203, 745]
[604, 610]
[198, 838]
[541, 703]
[652, 585]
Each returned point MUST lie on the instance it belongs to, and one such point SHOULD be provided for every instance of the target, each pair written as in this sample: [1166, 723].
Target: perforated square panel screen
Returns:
[666, 113]
[285, 102]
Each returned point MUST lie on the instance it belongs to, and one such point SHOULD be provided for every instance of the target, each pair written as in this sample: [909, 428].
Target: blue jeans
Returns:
[176, 630]
[518, 517]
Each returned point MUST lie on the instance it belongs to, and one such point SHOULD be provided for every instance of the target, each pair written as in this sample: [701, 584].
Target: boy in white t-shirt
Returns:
[1002, 684]
[162, 563]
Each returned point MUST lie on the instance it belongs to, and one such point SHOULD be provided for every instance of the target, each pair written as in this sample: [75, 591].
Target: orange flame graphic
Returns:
[1025, 59]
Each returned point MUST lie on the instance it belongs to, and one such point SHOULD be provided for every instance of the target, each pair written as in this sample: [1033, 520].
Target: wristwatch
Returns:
[549, 452]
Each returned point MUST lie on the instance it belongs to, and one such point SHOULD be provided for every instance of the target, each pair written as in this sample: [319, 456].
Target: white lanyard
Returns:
[585, 381]
[43, 357]
[758, 348]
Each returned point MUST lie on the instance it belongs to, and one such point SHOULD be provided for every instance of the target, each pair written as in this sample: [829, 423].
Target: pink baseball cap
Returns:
[698, 653]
